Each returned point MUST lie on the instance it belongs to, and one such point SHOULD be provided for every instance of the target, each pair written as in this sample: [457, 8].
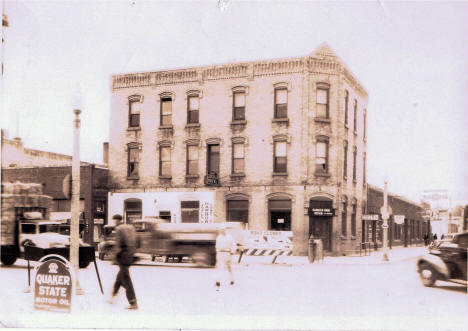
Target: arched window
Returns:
[237, 209]
[279, 210]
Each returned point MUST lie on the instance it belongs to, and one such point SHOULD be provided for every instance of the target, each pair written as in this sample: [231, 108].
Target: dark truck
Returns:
[173, 242]
[445, 261]
[26, 231]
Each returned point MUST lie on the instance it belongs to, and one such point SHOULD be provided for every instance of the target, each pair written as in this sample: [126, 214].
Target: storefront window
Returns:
[190, 211]
[133, 210]
[280, 214]
[238, 211]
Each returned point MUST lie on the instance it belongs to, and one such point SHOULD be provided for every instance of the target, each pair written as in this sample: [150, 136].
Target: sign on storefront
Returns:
[399, 219]
[53, 286]
[321, 211]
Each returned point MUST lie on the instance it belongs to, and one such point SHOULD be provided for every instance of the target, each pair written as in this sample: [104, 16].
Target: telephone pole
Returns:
[75, 201]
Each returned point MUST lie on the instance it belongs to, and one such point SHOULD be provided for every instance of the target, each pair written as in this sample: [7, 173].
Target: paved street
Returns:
[297, 295]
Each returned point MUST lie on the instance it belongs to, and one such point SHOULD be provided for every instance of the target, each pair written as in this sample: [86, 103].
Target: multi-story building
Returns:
[277, 144]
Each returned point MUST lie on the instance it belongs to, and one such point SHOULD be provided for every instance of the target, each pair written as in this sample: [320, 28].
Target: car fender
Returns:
[436, 262]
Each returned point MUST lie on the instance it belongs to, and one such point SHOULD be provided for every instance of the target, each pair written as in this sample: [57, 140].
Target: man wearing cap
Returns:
[125, 246]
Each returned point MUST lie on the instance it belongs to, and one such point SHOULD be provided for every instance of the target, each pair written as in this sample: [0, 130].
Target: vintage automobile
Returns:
[172, 242]
[445, 262]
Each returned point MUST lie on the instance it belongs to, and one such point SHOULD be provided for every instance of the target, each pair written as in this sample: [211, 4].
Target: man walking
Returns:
[125, 246]
[225, 247]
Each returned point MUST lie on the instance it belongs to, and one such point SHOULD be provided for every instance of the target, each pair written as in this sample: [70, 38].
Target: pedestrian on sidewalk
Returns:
[125, 247]
[225, 247]
[426, 239]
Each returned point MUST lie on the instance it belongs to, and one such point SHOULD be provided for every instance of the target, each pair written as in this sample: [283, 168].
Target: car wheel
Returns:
[427, 275]
[102, 256]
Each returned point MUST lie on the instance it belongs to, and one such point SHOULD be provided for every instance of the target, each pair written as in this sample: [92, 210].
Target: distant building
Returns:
[54, 172]
[276, 144]
[14, 154]
[414, 226]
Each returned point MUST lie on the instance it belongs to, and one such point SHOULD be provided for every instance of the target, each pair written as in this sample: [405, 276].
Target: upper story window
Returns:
[355, 116]
[321, 154]
[134, 104]
[281, 102]
[354, 162]
[280, 157]
[322, 100]
[166, 110]
[238, 162]
[346, 100]
[364, 119]
[193, 109]
[238, 107]
[345, 160]
[363, 168]
[164, 160]
[133, 156]
[192, 160]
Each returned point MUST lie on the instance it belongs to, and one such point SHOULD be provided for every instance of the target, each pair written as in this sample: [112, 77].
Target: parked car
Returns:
[445, 261]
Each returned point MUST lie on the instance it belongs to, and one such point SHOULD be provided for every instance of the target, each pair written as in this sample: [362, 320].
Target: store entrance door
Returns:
[320, 227]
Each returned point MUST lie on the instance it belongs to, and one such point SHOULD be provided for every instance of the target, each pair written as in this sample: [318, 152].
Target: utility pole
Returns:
[385, 216]
[75, 201]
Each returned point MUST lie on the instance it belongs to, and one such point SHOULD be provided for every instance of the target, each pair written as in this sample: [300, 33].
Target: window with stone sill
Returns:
[165, 161]
[321, 155]
[193, 109]
[134, 113]
[355, 116]
[166, 112]
[192, 160]
[322, 101]
[354, 163]
[280, 157]
[281, 103]
[346, 101]
[238, 106]
[345, 160]
[133, 156]
[238, 158]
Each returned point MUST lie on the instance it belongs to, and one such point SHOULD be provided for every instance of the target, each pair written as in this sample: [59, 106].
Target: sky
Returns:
[412, 58]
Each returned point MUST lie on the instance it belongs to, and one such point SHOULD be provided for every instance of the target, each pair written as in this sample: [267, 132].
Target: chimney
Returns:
[105, 153]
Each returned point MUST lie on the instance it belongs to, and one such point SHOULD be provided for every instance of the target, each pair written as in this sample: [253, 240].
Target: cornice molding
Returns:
[311, 64]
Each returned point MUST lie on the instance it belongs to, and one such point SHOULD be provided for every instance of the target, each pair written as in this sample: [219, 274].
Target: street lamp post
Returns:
[385, 217]
[75, 201]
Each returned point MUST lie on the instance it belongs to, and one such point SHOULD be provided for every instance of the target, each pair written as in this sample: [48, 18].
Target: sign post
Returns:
[385, 216]
[53, 285]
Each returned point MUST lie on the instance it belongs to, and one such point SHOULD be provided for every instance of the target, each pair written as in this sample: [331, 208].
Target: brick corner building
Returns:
[277, 144]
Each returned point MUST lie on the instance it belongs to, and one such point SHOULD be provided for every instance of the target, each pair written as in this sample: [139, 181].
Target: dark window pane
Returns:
[279, 204]
[193, 117]
[280, 164]
[190, 204]
[239, 113]
[134, 120]
[238, 204]
[238, 216]
[281, 111]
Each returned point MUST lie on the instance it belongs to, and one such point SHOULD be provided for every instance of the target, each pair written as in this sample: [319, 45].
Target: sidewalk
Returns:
[396, 254]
